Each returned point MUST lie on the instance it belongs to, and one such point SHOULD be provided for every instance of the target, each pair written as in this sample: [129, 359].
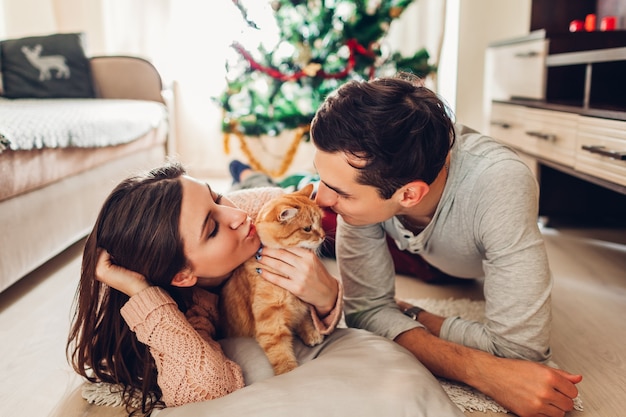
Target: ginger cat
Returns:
[253, 307]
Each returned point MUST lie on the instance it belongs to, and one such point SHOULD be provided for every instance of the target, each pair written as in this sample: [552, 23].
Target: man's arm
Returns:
[368, 277]
[525, 388]
[491, 229]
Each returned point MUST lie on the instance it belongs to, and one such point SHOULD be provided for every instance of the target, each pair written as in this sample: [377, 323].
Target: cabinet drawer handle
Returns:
[549, 137]
[529, 54]
[602, 150]
[503, 125]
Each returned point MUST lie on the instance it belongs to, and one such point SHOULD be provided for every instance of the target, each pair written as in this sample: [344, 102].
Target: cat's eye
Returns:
[307, 229]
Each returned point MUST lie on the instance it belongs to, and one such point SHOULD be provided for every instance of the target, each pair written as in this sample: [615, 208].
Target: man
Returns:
[392, 162]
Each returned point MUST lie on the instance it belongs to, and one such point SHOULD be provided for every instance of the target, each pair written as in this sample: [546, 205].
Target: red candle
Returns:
[607, 23]
[590, 22]
[576, 25]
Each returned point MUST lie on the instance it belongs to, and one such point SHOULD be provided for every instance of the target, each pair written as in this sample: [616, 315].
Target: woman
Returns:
[162, 245]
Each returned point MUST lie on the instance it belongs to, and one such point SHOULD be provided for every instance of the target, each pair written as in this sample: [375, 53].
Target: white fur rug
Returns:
[464, 396]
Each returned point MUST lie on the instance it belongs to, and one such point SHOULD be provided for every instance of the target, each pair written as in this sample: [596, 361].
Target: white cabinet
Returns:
[550, 135]
[517, 69]
[601, 148]
[559, 99]
[507, 124]
[575, 121]
[547, 134]
[589, 145]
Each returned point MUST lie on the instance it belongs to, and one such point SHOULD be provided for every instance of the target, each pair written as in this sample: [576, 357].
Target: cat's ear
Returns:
[288, 213]
[185, 279]
[412, 193]
[307, 190]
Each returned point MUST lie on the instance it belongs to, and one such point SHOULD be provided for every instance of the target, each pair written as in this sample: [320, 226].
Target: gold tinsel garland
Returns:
[255, 163]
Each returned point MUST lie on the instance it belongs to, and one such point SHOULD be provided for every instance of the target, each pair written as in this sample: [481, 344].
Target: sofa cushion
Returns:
[53, 66]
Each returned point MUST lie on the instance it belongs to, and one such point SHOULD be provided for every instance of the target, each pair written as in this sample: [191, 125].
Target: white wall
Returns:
[82, 16]
[470, 26]
[456, 33]
[111, 26]
[448, 61]
[21, 18]
[27, 17]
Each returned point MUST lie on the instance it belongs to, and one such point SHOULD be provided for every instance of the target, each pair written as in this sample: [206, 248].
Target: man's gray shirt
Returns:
[484, 226]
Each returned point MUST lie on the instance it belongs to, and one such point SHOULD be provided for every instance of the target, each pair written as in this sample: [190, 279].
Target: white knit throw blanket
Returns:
[465, 397]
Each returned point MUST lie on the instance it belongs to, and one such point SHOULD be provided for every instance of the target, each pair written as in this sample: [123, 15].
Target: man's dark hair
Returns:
[400, 129]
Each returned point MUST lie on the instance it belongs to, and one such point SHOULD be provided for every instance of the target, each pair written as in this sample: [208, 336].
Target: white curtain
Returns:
[421, 25]
[187, 40]
[200, 36]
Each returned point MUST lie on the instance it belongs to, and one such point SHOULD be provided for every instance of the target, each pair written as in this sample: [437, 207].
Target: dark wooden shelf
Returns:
[569, 107]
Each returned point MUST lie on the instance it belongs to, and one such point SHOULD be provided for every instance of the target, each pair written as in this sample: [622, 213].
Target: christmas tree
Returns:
[321, 44]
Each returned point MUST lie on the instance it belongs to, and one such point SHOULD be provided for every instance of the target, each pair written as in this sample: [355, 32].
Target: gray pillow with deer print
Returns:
[53, 66]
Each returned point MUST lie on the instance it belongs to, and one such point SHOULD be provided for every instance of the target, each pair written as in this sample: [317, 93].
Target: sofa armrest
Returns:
[126, 77]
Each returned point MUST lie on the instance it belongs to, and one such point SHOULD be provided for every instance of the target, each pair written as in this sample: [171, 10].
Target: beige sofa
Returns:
[50, 196]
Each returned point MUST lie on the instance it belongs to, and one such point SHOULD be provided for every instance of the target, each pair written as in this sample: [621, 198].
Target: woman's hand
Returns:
[302, 273]
[121, 279]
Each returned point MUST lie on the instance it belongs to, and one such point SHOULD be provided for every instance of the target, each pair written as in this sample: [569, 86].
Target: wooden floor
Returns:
[589, 313]
[589, 332]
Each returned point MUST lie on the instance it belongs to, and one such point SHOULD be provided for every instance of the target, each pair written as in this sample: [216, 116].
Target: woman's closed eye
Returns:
[213, 232]
[216, 225]
[217, 198]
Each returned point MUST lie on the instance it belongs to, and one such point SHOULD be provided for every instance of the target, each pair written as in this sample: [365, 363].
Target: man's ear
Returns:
[184, 279]
[413, 192]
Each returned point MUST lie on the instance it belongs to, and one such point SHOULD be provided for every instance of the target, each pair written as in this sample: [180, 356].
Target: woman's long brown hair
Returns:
[139, 226]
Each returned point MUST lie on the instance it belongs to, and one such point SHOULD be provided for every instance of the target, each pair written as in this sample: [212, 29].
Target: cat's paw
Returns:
[284, 367]
[312, 338]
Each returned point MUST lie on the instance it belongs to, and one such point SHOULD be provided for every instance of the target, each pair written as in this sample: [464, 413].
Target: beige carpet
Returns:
[464, 396]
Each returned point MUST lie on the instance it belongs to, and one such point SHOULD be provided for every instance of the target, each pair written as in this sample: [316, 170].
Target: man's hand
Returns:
[526, 388]
[121, 279]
